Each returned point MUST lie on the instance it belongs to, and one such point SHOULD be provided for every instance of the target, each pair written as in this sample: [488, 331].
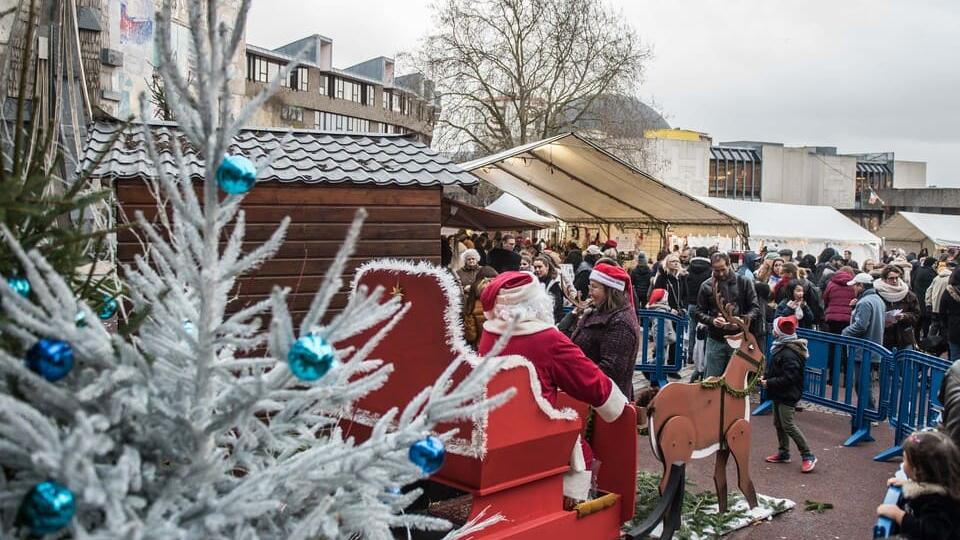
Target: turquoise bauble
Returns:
[311, 357]
[236, 175]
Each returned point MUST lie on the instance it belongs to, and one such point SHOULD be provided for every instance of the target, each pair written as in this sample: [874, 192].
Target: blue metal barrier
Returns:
[886, 527]
[839, 358]
[913, 397]
[656, 365]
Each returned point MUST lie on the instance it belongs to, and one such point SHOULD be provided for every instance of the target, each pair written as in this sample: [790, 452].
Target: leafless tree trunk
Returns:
[515, 71]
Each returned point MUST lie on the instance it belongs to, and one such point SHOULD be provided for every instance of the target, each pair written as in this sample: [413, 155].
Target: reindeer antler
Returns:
[726, 309]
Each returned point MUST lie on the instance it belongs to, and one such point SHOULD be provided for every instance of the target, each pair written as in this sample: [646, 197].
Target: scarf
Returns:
[791, 341]
[891, 293]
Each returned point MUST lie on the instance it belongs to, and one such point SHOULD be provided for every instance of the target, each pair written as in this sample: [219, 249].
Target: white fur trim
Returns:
[522, 328]
[517, 295]
[476, 446]
[576, 484]
[613, 283]
[612, 408]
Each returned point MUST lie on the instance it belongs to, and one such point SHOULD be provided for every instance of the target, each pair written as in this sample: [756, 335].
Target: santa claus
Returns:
[515, 299]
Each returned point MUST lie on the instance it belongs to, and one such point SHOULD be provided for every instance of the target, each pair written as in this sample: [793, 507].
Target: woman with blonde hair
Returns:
[673, 278]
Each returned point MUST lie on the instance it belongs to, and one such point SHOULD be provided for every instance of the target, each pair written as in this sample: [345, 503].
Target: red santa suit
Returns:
[516, 298]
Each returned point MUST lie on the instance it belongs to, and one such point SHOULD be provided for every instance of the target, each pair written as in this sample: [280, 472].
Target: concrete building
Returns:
[109, 46]
[679, 158]
[364, 98]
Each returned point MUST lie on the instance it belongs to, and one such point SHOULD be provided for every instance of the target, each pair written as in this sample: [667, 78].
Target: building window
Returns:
[369, 97]
[734, 173]
[260, 69]
[386, 99]
[349, 90]
[322, 85]
[298, 79]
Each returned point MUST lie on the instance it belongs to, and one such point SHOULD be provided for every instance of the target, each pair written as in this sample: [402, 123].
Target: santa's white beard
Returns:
[538, 307]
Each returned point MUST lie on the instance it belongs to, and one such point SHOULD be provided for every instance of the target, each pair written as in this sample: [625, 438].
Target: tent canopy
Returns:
[942, 230]
[511, 206]
[811, 227]
[459, 215]
[574, 180]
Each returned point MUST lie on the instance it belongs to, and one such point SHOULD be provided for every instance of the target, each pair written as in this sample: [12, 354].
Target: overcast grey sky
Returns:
[861, 75]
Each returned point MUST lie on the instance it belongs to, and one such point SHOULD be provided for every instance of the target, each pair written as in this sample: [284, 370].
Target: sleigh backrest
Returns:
[523, 440]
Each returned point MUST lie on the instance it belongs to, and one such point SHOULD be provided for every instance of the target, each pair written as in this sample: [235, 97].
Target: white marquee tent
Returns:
[511, 206]
[795, 226]
[913, 231]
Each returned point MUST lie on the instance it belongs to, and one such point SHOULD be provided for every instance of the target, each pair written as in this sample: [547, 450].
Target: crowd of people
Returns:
[583, 333]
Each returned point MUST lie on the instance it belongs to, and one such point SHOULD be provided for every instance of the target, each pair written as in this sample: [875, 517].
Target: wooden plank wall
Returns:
[403, 222]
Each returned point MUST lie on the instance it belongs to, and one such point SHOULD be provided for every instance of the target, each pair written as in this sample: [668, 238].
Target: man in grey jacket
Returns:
[867, 318]
[950, 397]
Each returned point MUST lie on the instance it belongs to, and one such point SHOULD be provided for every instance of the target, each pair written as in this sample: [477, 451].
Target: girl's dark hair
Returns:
[891, 268]
[955, 278]
[934, 459]
[763, 291]
[548, 262]
[792, 286]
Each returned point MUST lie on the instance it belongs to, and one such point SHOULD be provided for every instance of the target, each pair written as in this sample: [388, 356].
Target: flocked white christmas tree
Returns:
[189, 429]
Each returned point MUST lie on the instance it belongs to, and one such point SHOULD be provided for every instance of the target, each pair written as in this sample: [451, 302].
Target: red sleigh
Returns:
[511, 461]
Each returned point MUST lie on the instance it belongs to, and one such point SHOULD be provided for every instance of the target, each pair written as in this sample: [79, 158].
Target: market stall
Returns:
[800, 227]
[914, 231]
[595, 195]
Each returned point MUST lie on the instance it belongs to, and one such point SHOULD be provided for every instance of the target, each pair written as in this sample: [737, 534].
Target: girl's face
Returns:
[777, 266]
[798, 292]
[524, 265]
[597, 293]
[539, 269]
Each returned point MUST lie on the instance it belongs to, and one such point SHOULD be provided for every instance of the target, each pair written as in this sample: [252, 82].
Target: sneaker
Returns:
[809, 462]
[779, 457]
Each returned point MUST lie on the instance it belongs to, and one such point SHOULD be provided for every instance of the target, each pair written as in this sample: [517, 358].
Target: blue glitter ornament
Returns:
[311, 357]
[20, 285]
[428, 454]
[47, 508]
[108, 308]
[50, 358]
[236, 175]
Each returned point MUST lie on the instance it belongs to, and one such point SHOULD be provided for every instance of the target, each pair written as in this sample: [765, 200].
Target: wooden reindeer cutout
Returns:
[692, 421]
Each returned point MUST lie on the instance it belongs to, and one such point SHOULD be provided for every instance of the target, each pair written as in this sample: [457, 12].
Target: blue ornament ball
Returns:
[20, 285]
[236, 175]
[428, 454]
[311, 357]
[47, 508]
[52, 359]
[108, 308]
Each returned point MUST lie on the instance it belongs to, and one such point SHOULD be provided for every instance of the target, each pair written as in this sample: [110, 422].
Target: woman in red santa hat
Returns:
[516, 301]
[608, 331]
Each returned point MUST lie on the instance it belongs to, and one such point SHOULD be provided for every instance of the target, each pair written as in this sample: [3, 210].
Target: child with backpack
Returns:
[784, 384]
[931, 496]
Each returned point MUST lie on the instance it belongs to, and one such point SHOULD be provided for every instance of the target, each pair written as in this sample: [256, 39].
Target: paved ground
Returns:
[846, 477]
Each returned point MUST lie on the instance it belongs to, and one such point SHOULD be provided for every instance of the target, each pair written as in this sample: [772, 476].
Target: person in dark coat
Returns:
[503, 258]
[608, 331]
[673, 278]
[784, 384]
[950, 315]
[796, 305]
[922, 278]
[574, 256]
[735, 290]
[697, 272]
[640, 277]
[581, 279]
[549, 276]
[898, 329]
[930, 496]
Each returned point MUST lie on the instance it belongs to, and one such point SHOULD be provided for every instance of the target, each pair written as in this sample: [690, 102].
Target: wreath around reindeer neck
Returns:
[722, 383]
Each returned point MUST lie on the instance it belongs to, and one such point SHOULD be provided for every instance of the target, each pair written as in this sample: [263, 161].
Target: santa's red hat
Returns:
[614, 277]
[610, 244]
[509, 288]
[657, 296]
[785, 326]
